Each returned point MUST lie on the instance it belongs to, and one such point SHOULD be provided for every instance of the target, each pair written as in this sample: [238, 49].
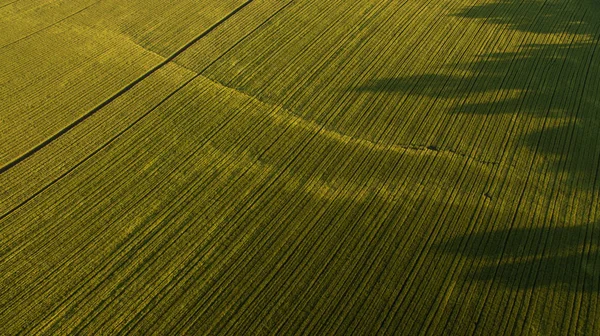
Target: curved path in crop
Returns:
[300, 166]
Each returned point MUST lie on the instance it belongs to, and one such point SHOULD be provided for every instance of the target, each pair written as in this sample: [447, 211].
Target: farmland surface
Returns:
[300, 166]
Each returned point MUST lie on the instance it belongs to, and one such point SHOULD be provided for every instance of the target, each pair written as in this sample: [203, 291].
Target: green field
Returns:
[300, 167]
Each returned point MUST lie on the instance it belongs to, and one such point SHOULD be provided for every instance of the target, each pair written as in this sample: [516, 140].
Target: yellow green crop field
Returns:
[243, 167]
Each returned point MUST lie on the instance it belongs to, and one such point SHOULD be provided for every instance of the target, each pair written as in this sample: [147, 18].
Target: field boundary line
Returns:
[102, 147]
[343, 137]
[49, 26]
[8, 4]
[119, 93]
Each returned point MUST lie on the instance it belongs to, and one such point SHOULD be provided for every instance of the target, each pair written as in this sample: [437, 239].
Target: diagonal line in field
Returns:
[79, 120]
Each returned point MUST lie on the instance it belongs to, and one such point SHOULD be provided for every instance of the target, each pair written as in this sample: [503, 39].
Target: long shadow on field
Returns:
[532, 257]
[548, 96]
[551, 88]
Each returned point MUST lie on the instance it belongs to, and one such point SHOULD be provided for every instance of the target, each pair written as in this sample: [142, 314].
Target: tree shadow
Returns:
[533, 257]
[556, 82]
[498, 72]
[551, 18]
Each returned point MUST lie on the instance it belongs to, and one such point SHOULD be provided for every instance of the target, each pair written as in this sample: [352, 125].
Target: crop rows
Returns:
[309, 167]
[89, 61]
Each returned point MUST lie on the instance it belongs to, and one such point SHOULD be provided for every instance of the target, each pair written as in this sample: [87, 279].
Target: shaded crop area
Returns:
[300, 166]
